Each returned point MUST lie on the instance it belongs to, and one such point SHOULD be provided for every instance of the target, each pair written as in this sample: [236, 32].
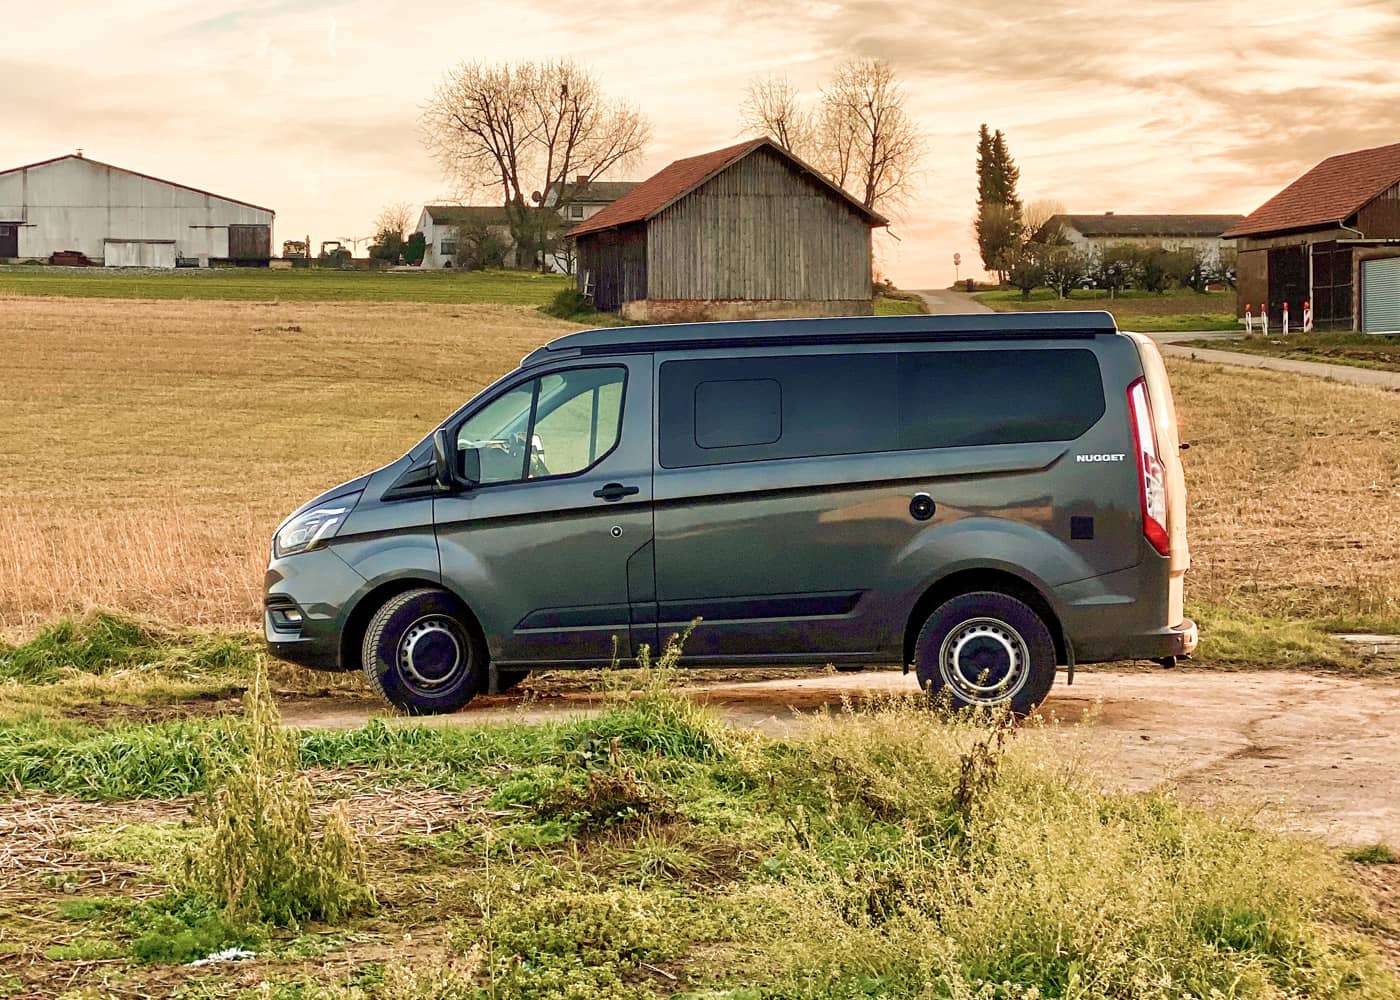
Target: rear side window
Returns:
[953, 399]
[727, 410]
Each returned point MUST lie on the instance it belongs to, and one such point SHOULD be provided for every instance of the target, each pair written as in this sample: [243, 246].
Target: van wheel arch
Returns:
[352, 634]
[972, 580]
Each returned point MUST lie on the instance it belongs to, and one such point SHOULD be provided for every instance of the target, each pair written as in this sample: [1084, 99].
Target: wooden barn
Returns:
[1331, 238]
[744, 232]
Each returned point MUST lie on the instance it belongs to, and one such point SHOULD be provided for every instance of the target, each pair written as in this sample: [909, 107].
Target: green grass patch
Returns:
[1143, 312]
[160, 845]
[894, 302]
[103, 643]
[886, 851]
[1373, 854]
[1238, 638]
[1358, 350]
[85, 949]
[182, 927]
[297, 285]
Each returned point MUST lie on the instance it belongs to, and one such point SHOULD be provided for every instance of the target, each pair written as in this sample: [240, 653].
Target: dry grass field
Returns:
[151, 447]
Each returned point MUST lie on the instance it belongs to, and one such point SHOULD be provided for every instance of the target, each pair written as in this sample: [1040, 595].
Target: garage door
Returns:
[139, 253]
[1380, 296]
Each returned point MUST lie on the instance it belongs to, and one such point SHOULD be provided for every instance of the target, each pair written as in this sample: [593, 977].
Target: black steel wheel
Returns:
[422, 654]
[986, 650]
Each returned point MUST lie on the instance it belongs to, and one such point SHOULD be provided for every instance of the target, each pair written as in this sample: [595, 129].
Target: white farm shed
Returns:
[123, 218]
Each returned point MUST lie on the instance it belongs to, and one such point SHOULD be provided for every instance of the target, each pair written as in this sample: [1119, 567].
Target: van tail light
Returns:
[1152, 477]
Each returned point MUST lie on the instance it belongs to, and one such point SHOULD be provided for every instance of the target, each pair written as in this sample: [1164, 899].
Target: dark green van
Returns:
[979, 498]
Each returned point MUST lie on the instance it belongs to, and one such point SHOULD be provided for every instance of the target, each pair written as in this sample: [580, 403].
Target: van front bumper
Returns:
[305, 600]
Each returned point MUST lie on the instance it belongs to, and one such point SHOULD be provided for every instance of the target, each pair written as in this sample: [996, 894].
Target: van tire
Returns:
[1002, 638]
[440, 675]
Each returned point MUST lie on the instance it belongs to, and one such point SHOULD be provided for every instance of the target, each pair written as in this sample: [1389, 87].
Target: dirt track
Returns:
[1314, 753]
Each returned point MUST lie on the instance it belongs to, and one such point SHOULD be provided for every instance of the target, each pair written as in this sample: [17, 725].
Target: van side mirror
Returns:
[454, 468]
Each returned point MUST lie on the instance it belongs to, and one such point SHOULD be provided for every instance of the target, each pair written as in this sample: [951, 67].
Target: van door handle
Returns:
[616, 491]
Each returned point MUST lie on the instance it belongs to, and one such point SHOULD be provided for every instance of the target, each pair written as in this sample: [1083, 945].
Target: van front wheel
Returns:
[986, 649]
[421, 655]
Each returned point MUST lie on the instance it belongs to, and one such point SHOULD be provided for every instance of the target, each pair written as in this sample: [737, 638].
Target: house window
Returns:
[576, 211]
[447, 248]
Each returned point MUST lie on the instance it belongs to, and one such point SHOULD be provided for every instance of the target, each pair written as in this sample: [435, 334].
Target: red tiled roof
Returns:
[1329, 193]
[654, 194]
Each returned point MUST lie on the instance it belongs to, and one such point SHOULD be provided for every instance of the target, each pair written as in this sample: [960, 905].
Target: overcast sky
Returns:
[311, 107]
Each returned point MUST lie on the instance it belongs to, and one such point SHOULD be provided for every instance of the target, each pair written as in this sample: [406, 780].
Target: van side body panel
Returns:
[820, 553]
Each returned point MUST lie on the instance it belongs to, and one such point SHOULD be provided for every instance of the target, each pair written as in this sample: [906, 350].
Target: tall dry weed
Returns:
[267, 859]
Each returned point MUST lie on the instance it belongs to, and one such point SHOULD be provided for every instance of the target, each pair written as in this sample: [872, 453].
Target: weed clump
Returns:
[613, 797]
[1373, 854]
[264, 860]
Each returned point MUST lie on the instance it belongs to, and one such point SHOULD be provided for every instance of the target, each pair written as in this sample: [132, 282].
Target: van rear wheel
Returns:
[985, 650]
[422, 655]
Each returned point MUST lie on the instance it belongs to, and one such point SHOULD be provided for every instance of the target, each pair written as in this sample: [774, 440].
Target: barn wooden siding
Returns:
[1380, 219]
[758, 230]
[616, 260]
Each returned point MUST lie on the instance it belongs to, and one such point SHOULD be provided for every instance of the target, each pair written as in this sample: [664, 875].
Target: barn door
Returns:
[9, 240]
[1288, 282]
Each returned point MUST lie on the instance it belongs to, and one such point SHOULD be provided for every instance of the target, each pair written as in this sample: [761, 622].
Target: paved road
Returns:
[1342, 373]
[1311, 752]
[943, 302]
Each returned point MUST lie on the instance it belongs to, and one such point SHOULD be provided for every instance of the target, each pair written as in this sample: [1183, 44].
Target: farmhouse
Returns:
[1331, 238]
[1092, 233]
[745, 231]
[449, 228]
[123, 218]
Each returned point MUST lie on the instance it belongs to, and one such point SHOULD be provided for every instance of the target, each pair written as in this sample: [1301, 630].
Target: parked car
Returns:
[979, 498]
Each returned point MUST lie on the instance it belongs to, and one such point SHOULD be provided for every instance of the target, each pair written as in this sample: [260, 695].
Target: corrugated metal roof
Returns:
[1113, 224]
[136, 173]
[674, 182]
[1328, 194]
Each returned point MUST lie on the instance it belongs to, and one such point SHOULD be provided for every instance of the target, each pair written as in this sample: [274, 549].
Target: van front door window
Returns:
[563, 423]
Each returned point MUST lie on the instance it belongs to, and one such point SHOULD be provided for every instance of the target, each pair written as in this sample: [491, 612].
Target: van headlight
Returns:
[313, 527]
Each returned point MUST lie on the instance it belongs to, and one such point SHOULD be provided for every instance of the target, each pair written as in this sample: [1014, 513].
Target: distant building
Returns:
[441, 225]
[1092, 233]
[1331, 238]
[587, 198]
[749, 230]
[123, 218]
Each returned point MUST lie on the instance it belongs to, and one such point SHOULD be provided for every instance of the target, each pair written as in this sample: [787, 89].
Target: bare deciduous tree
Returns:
[1036, 216]
[524, 130]
[391, 229]
[866, 140]
[772, 107]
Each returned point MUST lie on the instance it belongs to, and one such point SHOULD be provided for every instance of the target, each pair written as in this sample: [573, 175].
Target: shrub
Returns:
[264, 860]
[569, 303]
